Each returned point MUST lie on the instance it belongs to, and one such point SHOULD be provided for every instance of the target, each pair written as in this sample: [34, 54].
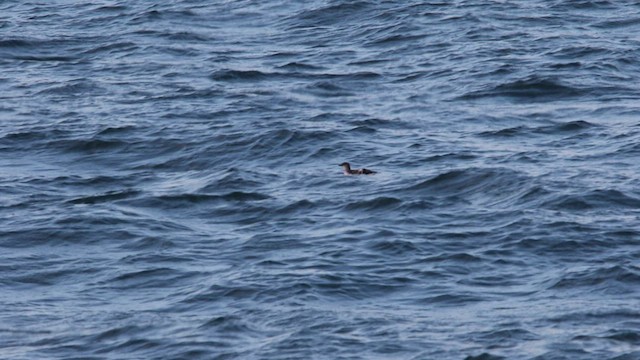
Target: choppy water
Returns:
[169, 186]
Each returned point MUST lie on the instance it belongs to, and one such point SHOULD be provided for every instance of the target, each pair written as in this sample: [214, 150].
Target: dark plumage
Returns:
[346, 168]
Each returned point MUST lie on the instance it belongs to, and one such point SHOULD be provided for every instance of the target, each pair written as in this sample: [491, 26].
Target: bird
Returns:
[346, 169]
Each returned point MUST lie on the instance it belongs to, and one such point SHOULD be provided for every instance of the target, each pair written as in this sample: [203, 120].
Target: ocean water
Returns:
[170, 188]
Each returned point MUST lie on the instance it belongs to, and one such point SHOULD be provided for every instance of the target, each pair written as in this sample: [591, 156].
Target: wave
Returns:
[378, 203]
[300, 66]
[187, 200]
[328, 89]
[93, 145]
[242, 75]
[106, 197]
[236, 179]
[232, 75]
[559, 129]
[297, 206]
[395, 247]
[74, 88]
[615, 279]
[332, 13]
[596, 199]
[532, 88]
[113, 47]
[584, 4]
[618, 23]
[485, 356]
[39, 43]
[449, 300]
[229, 326]
[161, 277]
[488, 186]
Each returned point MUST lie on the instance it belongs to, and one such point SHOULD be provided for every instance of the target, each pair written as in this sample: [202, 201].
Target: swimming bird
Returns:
[346, 168]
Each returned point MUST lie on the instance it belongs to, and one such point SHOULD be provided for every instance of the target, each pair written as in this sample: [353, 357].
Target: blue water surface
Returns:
[170, 188]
